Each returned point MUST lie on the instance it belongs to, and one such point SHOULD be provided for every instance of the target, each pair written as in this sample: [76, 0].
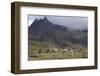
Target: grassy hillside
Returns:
[39, 51]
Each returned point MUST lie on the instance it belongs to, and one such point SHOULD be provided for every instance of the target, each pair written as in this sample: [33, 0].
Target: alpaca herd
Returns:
[54, 50]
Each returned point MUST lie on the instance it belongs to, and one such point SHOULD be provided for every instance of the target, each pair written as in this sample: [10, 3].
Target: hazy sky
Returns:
[75, 22]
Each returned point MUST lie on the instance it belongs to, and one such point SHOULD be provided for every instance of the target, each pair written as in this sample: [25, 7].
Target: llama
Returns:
[55, 49]
[66, 49]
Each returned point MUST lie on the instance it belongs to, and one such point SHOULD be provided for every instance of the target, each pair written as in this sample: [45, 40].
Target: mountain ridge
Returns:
[44, 30]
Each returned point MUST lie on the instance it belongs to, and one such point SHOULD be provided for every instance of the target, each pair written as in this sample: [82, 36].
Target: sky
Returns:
[73, 22]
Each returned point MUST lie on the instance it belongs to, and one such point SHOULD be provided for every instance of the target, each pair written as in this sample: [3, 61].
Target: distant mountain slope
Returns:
[44, 30]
